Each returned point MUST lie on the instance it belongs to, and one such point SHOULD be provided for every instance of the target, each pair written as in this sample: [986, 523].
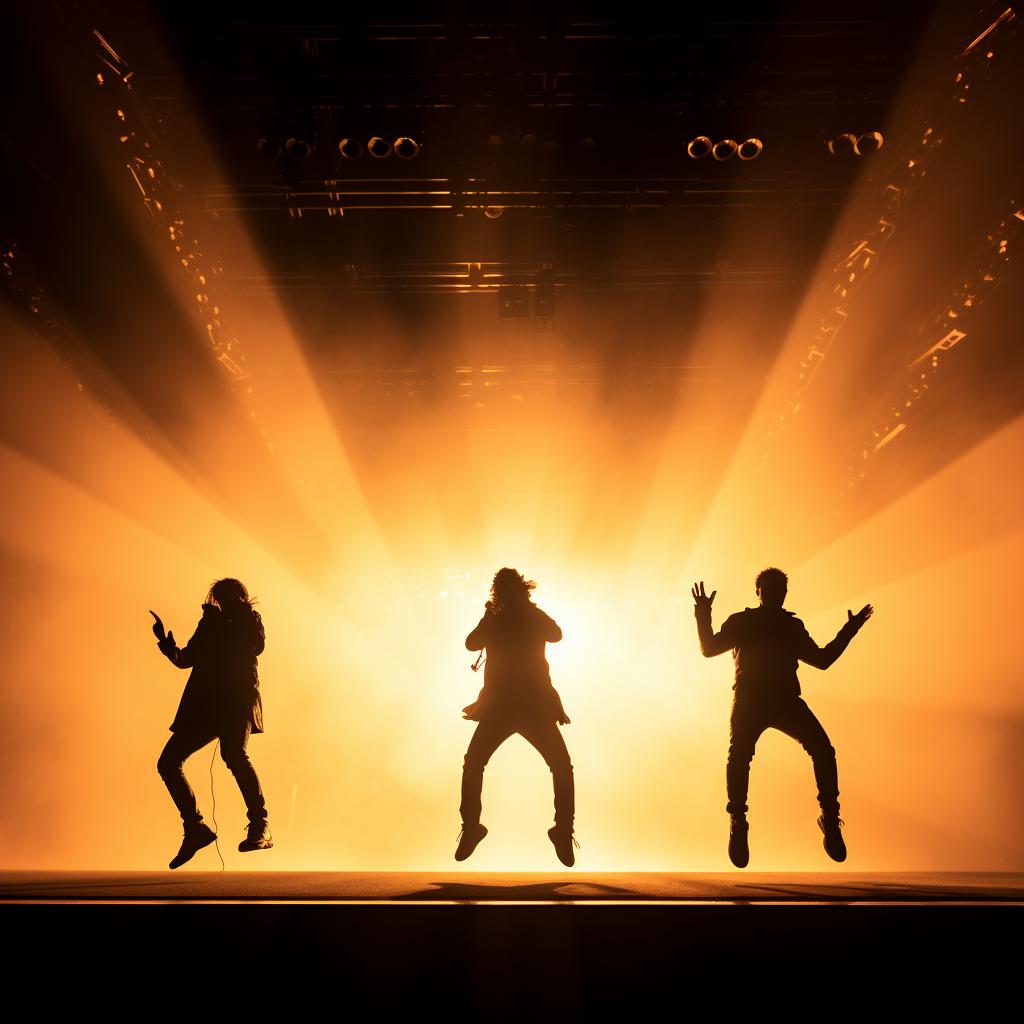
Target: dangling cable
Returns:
[213, 813]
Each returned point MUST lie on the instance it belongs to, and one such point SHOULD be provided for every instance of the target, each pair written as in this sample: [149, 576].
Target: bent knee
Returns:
[234, 757]
[822, 748]
[168, 766]
[740, 754]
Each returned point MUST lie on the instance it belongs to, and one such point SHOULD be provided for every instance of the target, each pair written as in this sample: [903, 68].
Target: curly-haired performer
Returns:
[767, 642]
[221, 701]
[517, 697]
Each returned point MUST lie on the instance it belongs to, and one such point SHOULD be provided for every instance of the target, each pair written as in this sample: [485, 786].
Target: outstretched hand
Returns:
[701, 600]
[158, 629]
[861, 617]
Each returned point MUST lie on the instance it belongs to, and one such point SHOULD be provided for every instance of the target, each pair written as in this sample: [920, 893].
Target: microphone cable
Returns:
[213, 813]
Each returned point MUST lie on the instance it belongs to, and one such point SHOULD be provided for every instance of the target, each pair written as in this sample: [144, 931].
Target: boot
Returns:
[739, 852]
[257, 838]
[197, 836]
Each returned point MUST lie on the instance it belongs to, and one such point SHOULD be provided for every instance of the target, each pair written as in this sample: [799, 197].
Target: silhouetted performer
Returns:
[767, 642]
[221, 701]
[517, 697]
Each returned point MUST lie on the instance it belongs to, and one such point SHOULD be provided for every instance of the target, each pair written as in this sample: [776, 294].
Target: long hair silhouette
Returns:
[508, 587]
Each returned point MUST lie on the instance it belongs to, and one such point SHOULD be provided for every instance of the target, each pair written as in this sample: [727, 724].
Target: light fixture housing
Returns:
[868, 143]
[842, 144]
[350, 149]
[724, 149]
[299, 149]
[750, 149]
[378, 147]
[270, 148]
[699, 147]
[406, 148]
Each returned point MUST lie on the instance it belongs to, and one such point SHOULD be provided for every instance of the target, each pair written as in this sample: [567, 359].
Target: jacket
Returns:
[223, 689]
[767, 643]
[517, 679]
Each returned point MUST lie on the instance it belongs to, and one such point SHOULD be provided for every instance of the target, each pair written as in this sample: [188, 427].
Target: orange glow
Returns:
[372, 559]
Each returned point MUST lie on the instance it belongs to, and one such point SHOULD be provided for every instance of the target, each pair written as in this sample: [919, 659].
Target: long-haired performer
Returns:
[517, 697]
[221, 701]
[766, 643]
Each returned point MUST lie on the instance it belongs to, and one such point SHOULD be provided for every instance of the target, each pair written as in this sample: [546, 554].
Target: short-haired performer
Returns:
[221, 701]
[517, 697]
[767, 642]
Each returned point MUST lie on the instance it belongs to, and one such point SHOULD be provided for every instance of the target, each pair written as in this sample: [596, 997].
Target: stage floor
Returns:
[650, 888]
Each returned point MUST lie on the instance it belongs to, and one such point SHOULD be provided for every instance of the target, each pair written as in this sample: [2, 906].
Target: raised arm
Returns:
[823, 657]
[711, 643]
[477, 640]
[184, 657]
[551, 631]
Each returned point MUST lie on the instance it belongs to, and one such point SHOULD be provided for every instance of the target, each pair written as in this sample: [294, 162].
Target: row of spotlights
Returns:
[351, 149]
[298, 149]
[404, 148]
[867, 143]
[726, 148]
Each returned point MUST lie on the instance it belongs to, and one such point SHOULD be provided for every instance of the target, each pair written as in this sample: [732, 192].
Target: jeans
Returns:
[233, 741]
[793, 717]
[543, 734]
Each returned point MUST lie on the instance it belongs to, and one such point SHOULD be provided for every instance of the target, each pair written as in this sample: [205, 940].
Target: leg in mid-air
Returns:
[799, 722]
[745, 728]
[547, 738]
[198, 834]
[488, 736]
[233, 745]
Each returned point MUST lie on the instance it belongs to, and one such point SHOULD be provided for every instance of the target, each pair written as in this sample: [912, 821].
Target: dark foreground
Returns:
[509, 946]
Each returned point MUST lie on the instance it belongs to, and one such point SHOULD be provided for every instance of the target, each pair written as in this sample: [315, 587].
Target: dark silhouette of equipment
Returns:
[767, 643]
[517, 697]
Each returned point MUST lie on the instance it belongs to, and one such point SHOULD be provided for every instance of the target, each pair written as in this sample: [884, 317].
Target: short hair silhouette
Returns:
[228, 591]
[772, 585]
[508, 586]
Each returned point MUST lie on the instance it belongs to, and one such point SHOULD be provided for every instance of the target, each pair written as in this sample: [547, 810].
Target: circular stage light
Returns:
[699, 147]
[494, 212]
[496, 142]
[528, 141]
[868, 143]
[350, 149]
[842, 144]
[749, 150]
[406, 148]
[724, 149]
[299, 149]
[270, 148]
[378, 147]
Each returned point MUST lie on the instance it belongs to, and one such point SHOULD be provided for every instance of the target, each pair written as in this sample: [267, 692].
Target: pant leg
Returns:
[488, 736]
[181, 746]
[746, 724]
[797, 720]
[232, 748]
[547, 738]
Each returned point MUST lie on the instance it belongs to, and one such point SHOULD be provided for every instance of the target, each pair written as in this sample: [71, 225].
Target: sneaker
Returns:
[257, 838]
[196, 837]
[739, 852]
[563, 841]
[834, 845]
[469, 839]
